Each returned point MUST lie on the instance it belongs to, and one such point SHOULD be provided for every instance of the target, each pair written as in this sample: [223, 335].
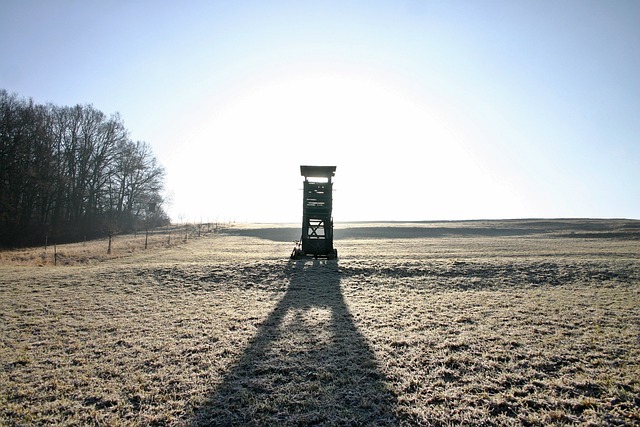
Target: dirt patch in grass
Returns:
[224, 330]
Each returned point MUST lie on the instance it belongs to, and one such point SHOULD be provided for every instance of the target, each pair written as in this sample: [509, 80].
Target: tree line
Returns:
[72, 173]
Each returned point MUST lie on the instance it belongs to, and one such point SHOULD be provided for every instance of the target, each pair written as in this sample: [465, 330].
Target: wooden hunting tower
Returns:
[317, 222]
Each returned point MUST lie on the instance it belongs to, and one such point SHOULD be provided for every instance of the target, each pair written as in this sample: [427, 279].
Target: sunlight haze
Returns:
[429, 109]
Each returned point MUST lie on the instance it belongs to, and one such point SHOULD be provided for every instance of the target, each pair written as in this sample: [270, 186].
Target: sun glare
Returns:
[387, 144]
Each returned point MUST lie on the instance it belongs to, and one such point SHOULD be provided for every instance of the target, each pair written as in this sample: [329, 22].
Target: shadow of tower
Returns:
[307, 365]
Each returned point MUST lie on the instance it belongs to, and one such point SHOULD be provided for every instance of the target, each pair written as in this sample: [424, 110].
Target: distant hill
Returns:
[559, 228]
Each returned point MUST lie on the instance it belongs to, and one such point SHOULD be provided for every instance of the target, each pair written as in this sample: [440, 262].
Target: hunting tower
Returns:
[317, 222]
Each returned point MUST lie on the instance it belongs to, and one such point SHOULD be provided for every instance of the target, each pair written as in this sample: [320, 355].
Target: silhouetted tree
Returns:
[70, 172]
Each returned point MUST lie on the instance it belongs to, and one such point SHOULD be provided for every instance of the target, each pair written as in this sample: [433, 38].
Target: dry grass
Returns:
[459, 328]
[96, 251]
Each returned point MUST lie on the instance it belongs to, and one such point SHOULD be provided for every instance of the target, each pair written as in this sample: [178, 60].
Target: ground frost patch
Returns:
[427, 331]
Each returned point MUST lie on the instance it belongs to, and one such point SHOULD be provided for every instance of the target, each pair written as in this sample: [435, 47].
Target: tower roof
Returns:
[317, 171]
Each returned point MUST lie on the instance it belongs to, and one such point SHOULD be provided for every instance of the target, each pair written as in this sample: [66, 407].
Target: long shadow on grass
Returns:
[308, 364]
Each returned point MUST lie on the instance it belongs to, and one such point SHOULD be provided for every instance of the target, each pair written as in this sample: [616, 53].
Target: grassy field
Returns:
[97, 251]
[448, 323]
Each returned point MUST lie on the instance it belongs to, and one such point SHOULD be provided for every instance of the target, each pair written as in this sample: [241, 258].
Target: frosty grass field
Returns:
[492, 323]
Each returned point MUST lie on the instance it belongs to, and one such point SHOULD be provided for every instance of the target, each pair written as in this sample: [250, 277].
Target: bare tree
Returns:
[70, 172]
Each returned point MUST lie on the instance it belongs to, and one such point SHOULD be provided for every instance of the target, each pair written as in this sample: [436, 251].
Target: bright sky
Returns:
[429, 109]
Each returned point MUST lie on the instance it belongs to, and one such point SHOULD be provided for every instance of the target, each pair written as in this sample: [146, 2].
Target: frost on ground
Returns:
[504, 328]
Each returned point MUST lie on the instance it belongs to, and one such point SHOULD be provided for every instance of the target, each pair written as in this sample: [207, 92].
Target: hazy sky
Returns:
[429, 109]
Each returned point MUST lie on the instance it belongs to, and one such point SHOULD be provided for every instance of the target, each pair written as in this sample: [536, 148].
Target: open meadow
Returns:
[528, 322]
